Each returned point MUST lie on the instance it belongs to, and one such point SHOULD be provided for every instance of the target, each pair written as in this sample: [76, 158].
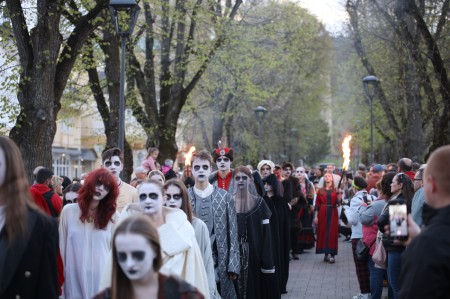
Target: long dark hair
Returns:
[74, 187]
[386, 182]
[407, 188]
[107, 206]
[185, 202]
[140, 225]
[14, 192]
[272, 180]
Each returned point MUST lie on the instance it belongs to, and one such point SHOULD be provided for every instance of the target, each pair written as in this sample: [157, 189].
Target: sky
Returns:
[329, 12]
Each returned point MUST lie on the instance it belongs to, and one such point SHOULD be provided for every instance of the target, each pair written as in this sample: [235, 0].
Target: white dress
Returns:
[84, 251]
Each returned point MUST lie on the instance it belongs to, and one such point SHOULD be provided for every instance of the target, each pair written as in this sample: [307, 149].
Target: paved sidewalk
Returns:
[310, 277]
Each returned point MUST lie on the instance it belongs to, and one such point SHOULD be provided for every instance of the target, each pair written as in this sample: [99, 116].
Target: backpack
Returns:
[48, 199]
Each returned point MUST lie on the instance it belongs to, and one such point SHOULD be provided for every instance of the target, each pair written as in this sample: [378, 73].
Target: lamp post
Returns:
[370, 84]
[260, 112]
[124, 15]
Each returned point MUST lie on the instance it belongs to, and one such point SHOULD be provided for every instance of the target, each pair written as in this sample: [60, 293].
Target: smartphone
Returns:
[398, 221]
[349, 175]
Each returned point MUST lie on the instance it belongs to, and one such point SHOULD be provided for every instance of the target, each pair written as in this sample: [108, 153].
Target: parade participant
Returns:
[149, 162]
[113, 162]
[257, 278]
[306, 234]
[85, 234]
[181, 254]
[216, 208]
[326, 219]
[70, 193]
[157, 176]
[28, 238]
[281, 241]
[223, 177]
[177, 197]
[336, 177]
[137, 258]
[265, 167]
[426, 260]
[403, 192]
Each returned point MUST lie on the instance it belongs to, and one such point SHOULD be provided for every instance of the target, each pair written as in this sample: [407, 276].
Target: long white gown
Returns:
[84, 251]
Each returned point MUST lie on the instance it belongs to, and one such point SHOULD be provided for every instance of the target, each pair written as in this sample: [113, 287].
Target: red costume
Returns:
[327, 229]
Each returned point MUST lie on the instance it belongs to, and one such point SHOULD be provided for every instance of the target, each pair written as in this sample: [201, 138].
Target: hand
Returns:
[316, 221]
[413, 231]
[232, 276]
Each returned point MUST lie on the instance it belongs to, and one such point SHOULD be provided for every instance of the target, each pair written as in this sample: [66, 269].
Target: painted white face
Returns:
[287, 171]
[114, 165]
[151, 199]
[2, 167]
[135, 256]
[265, 170]
[268, 187]
[242, 180]
[100, 192]
[174, 197]
[201, 169]
[71, 197]
[223, 163]
[156, 178]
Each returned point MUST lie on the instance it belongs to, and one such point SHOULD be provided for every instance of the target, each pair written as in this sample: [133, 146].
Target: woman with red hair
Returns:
[85, 234]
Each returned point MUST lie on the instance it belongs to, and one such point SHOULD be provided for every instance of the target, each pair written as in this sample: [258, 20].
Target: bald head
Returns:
[436, 178]
[405, 164]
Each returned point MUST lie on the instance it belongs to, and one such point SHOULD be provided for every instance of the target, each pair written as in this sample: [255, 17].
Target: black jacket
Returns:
[426, 261]
[28, 268]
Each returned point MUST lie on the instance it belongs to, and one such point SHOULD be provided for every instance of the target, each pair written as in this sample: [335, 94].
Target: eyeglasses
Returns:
[223, 159]
[109, 163]
[197, 167]
[144, 196]
[174, 196]
[238, 178]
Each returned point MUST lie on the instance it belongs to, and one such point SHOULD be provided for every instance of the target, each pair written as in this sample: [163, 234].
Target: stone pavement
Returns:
[310, 277]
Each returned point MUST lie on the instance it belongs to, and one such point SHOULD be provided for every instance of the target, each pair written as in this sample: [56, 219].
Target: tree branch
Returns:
[21, 33]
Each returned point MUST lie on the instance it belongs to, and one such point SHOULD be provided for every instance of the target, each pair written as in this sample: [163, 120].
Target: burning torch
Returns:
[187, 162]
[346, 155]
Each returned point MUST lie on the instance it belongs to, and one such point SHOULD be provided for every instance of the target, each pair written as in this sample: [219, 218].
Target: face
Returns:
[113, 165]
[265, 170]
[151, 199]
[71, 197]
[223, 163]
[396, 187]
[287, 171]
[328, 177]
[242, 180]
[418, 182]
[429, 189]
[156, 178]
[135, 255]
[155, 154]
[201, 169]
[330, 168]
[268, 187]
[100, 192]
[174, 197]
[2, 167]
[141, 176]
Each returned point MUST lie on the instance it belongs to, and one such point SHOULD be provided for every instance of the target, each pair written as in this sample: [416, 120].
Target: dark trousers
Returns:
[362, 270]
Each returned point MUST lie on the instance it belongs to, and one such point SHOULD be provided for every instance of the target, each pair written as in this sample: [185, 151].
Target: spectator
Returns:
[149, 162]
[419, 196]
[405, 166]
[374, 175]
[141, 174]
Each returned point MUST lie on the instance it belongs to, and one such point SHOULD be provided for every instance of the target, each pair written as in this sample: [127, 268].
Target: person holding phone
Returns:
[403, 192]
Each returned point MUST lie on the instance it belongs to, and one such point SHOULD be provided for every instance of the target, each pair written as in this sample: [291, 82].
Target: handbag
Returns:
[379, 255]
[362, 251]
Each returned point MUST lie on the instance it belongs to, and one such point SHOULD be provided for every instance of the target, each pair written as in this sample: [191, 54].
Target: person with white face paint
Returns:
[28, 238]
[113, 162]
[177, 197]
[216, 208]
[257, 278]
[265, 167]
[223, 177]
[85, 234]
[181, 254]
[137, 258]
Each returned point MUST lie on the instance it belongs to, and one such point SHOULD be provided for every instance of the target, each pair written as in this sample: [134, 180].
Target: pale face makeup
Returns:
[100, 192]
[287, 171]
[201, 169]
[71, 197]
[223, 163]
[268, 187]
[2, 167]
[135, 256]
[114, 165]
[173, 197]
[241, 180]
[151, 199]
[265, 170]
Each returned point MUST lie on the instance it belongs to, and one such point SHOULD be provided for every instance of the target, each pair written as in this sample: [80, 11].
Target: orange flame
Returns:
[187, 157]
[346, 151]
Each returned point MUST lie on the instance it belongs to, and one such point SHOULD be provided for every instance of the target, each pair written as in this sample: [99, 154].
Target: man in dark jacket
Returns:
[426, 261]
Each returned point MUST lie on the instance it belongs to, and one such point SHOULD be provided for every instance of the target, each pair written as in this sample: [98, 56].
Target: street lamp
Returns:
[124, 15]
[260, 112]
[370, 84]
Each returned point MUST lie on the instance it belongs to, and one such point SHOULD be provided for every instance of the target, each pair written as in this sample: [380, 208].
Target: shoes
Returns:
[331, 260]
[362, 296]
[295, 256]
[326, 259]
[347, 238]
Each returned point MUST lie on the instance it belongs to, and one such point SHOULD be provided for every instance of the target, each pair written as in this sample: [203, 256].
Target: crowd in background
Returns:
[214, 232]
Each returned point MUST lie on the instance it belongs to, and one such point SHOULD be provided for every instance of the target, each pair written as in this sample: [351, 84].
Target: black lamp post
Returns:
[370, 84]
[260, 112]
[124, 16]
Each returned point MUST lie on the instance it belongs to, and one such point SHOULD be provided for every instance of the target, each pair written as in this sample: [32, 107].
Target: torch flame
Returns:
[187, 157]
[346, 151]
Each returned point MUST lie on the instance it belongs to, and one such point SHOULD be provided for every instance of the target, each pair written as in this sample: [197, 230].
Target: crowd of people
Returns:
[229, 233]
